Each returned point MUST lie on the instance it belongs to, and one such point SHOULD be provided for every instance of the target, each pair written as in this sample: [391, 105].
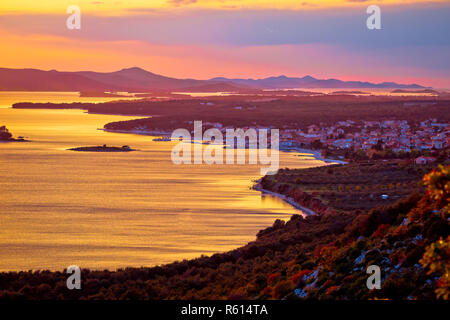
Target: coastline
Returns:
[284, 198]
[15, 140]
[144, 133]
[317, 155]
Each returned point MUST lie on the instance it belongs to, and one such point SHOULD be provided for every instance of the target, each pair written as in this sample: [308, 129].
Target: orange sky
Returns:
[35, 36]
[122, 7]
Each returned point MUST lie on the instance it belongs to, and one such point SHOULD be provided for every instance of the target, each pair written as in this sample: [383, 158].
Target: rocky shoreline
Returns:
[6, 136]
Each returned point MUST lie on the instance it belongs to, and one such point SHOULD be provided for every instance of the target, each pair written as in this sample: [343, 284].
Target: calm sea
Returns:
[113, 210]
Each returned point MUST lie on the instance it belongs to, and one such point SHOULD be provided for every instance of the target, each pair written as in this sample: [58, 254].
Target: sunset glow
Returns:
[123, 8]
[234, 159]
[204, 39]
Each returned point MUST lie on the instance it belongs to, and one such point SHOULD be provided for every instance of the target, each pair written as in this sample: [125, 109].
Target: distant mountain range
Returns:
[283, 82]
[139, 80]
[132, 80]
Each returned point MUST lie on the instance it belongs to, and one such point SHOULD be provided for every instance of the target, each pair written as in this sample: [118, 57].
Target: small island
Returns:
[103, 148]
[6, 136]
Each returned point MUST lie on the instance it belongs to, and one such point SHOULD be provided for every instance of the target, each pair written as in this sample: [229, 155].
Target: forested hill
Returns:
[409, 241]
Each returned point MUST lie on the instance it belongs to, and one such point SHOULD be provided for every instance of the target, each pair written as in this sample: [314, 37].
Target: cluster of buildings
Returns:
[396, 135]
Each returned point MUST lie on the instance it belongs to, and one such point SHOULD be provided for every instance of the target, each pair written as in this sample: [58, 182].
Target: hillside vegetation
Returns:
[356, 186]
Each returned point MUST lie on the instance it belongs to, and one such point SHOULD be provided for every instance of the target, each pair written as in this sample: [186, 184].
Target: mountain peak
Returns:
[133, 69]
[308, 78]
[280, 77]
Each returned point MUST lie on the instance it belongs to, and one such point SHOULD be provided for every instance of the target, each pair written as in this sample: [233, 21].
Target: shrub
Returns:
[282, 289]
[272, 278]
[437, 259]
[299, 276]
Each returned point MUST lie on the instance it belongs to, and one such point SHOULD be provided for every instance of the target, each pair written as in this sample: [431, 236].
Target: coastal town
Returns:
[398, 136]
